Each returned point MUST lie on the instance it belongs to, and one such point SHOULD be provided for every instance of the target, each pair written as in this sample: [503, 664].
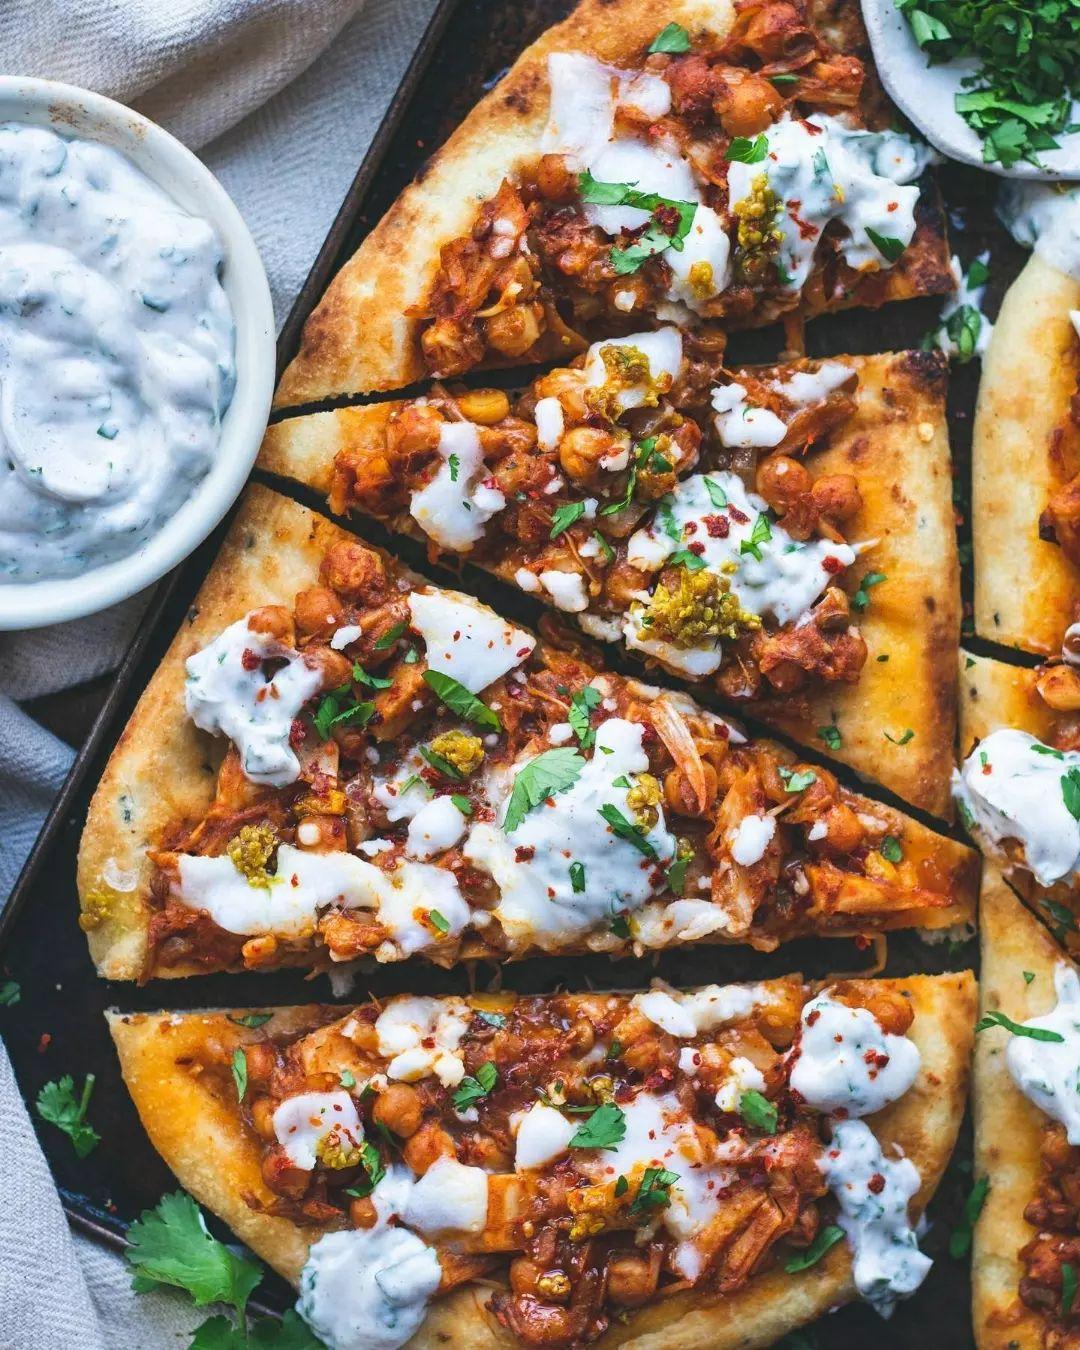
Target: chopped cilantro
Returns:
[1070, 791]
[620, 926]
[460, 700]
[551, 772]
[390, 636]
[760, 534]
[746, 151]
[58, 1105]
[899, 740]
[758, 1112]
[493, 1019]
[10, 993]
[462, 803]
[577, 876]
[999, 1019]
[668, 227]
[626, 829]
[890, 849]
[361, 676]
[653, 1191]
[831, 736]
[455, 464]
[889, 248]
[604, 1128]
[239, 1073]
[794, 781]
[861, 599]
[564, 517]
[682, 557]
[582, 705]
[672, 38]
[251, 1020]
[960, 1238]
[827, 1237]
[605, 548]
[372, 1164]
[440, 763]
[438, 921]
[717, 495]
[472, 1089]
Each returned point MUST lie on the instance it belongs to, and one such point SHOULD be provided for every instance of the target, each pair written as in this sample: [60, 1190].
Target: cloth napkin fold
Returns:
[285, 133]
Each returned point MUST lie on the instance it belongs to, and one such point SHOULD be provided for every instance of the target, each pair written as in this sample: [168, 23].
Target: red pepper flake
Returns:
[523, 652]
[690, 527]
[740, 517]
[811, 127]
[876, 1184]
[297, 733]
[44, 1042]
[698, 548]
[831, 564]
[877, 1058]
[862, 942]
[841, 1113]
[813, 1017]
[719, 527]
[805, 228]
[524, 853]
[892, 206]
[250, 660]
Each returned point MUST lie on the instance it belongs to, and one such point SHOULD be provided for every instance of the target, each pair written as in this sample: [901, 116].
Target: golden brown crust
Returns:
[1007, 1125]
[995, 695]
[358, 338]
[1025, 588]
[202, 1141]
[896, 444]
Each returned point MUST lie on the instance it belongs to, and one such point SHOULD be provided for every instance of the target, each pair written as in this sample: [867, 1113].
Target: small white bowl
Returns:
[78, 112]
[925, 94]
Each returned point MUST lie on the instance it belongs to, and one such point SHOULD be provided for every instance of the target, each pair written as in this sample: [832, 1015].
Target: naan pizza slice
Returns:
[712, 1168]
[729, 167]
[336, 760]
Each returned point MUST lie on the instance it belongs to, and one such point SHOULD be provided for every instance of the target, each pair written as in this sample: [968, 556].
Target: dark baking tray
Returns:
[58, 1026]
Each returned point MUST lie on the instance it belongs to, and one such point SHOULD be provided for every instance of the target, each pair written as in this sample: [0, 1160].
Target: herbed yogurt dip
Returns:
[117, 354]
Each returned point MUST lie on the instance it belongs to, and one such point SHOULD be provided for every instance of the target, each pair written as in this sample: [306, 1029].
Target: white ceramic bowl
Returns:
[77, 112]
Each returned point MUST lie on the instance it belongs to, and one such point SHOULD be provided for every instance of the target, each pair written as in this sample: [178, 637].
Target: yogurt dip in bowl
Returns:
[136, 352]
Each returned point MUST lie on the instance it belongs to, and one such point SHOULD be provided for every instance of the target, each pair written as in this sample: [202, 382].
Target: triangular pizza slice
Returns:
[1026, 1254]
[783, 535]
[336, 760]
[731, 167]
[1018, 786]
[714, 1167]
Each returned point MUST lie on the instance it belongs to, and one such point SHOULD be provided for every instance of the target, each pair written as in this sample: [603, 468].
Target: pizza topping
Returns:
[461, 498]
[846, 1064]
[319, 1126]
[1047, 1070]
[543, 1135]
[437, 826]
[421, 1036]
[370, 1286]
[449, 1197]
[820, 170]
[702, 1010]
[632, 372]
[874, 1193]
[466, 639]
[1022, 800]
[1046, 218]
[530, 856]
[230, 692]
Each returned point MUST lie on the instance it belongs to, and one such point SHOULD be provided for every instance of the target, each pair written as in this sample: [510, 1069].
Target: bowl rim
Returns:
[81, 113]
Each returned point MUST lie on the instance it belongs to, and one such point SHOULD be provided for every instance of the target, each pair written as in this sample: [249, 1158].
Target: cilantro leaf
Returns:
[438, 921]
[1070, 791]
[440, 763]
[758, 1112]
[374, 1171]
[760, 534]
[10, 993]
[58, 1105]
[890, 849]
[564, 517]
[683, 557]
[462, 803]
[1068, 1287]
[795, 781]
[473, 1088]
[831, 736]
[743, 150]
[963, 326]
[676, 874]
[668, 227]
[998, 1019]
[960, 1238]
[361, 676]
[889, 248]
[672, 38]
[251, 1020]
[493, 1019]
[861, 599]
[577, 877]
[581, 707]
[653, 1191]
[605, 1128]
[717, 495]
[390, 636]
[239, 1073]
[550, 772]
[170, 1245]
[827, 1237]
[903, 739]
[626, 829]
[460, 700]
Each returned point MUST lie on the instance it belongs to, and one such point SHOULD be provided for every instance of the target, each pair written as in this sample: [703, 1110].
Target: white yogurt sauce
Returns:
[421, 1036]
[462, 497]
[543, 1134]
[449, 1197]
[1012, 786]
[1046, 218]
[302, 1123]
[846, 1064]
[1048, 1072]
[873, 1193]
[369, 1288]
[823, 170]
[116, 354]
[531, 864]
[227, 693]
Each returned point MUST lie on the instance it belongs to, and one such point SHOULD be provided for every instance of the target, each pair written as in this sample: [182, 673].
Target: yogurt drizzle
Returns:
[116, 354]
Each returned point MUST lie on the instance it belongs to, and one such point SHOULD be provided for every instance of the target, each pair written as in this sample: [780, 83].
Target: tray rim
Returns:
[192, 570]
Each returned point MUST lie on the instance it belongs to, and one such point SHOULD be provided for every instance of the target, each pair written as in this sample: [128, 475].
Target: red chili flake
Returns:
[457, 635]
[690, 527]
[740, 517]
[523, 653]
[428, 1042]
[297, 733]
[294, 880]
[524, 853]
[876, 1184]
[811, 127]
[841, 1113]
[892, 206]
[697, 548]
[831, 564]
[877, 1058]
[719, 527]
[862, 942]
[805, 228]
[45, 1041]
[667, 217]
[250, 660]
[813, 1017]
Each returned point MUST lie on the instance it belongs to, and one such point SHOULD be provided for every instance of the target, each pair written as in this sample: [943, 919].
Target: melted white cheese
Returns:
[421, 1036]
[225, 698]
[437, 826]
[457, 503]
[567, 590]
[846, 1064]
[1008, 788]
[740, 424]
[744, 1076]
[1048, 1072]
[550, 422]
[303, 1122]
[873, 1193]
[369, 1288]
[543, 1135]
[466, 639]
[687, 1015]
[388, 791]
[822, 171]
[751, 838]
[449, 1197]
[662, 349]
[804, 388]
[1043, 217]
[531, 865]
[404, 897]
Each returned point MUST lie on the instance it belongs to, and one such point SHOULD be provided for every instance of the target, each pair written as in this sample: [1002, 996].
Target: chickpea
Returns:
[262, 1116]
[555, 179]
[524, 1273]
[513, 331]
[580, 453]
[318, 610]
[631, 1281]
[399, 1109]
[1059, 688]
[782, 480]
[746, 103]
[836, 496]
[845, 831]
[484, 406]
[261, 1062]
[334, 667]
[354, 571]
[274, 620]
[582, 1037]
[362, 1213]
[680, 796]
[568, 386]
[777, 32]
[430, 1143]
